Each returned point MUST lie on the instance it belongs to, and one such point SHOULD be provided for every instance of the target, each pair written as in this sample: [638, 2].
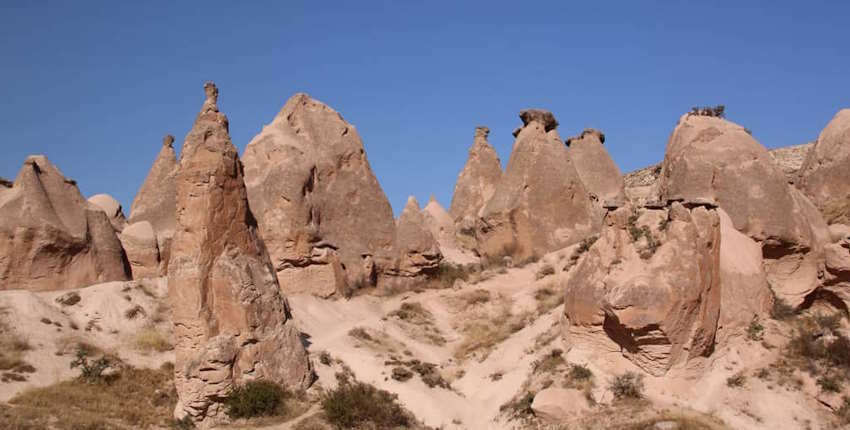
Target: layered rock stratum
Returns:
[231, 323]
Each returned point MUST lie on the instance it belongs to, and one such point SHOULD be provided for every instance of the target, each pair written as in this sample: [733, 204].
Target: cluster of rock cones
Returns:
[718, 234]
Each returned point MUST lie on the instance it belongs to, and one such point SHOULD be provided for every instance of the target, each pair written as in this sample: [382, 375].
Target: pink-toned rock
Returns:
[540, 203]
[231, 323]
[50, 237]
[320, 209]
[112, 208]
[417, 252]
[825, 175]
[709, 159]
[477, 181]
[442, 227]
[649, 287]
[597, 170]
[556, 405]
[140, 245]
[155, 201]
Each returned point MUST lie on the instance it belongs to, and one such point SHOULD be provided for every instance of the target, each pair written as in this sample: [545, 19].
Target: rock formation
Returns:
[50, 237]
[140, 245]
[595, 168]
[443, 229]
[539, 204]
[477, 181]
[321, 211]
[155, 202]
[709, 159]
[825, 175]
[112, 209]
[231, 323]
[417, 253]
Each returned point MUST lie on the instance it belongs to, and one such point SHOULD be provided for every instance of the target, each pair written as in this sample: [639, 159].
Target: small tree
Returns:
[91, 372]
[255, 399]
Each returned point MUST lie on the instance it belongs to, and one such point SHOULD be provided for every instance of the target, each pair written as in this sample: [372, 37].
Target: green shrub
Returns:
[629, 385]
[755, 331]
[355, 404]
[781, 310]
[579, 372]
[718, 111]
[830, 383]
[736, 380]
[91, 372]
[256, 399]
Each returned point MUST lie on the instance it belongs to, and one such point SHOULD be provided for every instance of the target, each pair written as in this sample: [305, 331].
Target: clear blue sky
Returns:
[95, 84]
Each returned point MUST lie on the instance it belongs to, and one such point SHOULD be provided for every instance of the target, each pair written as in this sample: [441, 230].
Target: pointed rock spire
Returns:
[231, 323]
[478, 179]
[595, 167]
[155, 201]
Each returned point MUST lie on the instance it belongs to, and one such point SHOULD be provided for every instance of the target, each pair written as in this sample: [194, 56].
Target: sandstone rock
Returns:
[595, 167]
[540, 203]
[112, 209]
[5, 183]
[50, 237]
[713, 160]
[155, 202]
[139, 242]
[442, 228]
[649, 287]
[417, 253]
[790, 159]
[825, 175]
[231, 323]
[556, 405]
[477, 181]
[316, 199]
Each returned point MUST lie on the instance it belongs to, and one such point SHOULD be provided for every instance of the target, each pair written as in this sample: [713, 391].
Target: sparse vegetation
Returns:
[150, 339]
[629, 385]
[134, 312]
[545, 270]
[548, 298]
[736, 381]
[256, 399]
[68, 299]
[755, 331]
[549, 362]
[427, 372]
[636, 233]
[356, 405]
[449, 273]
[401, 373]
[476, 296]
[718, 111]
[844, 411]
[583, 247]
[781, 310]
[421, 322]
[361, 334]
[580, 372]
[483, 335]
[521, 407]
[830, 383]
[91, 372]
[325, 358]
[12, 347]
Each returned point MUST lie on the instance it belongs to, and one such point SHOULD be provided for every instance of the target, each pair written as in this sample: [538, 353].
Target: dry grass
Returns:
[418, 322]
[12, 346]
[150, 339]
[548, 298]
[135, 398]
[482, 334]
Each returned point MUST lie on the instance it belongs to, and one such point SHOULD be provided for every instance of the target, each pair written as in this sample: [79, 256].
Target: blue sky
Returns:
[95, 84]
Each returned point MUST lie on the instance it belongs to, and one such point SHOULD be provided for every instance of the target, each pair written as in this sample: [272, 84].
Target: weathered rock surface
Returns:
[320, 209]
[231, 323]
[649, 287]
[140, 245]
[477, 181]
[825, 175]
[595, 168]
[50, 237]
[443, 229]
[556, 405]
[711, 159]
[112, 208]
[417, 252]
[790, 159]
[540, 203]
[155, 202]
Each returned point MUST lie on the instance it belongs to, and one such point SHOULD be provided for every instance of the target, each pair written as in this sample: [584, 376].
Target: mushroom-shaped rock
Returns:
[320, 209]
[50, 237]
[155, 201]
[595, 167]
[231, 323]
[825, 175]
[417, 254]
[713, 160]
[140, 244]
[540, 203]
[112, 208]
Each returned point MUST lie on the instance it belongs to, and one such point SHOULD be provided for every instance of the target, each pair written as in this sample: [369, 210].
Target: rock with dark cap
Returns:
[594, 165]
[544, 117]
[476, 182]
[155, 201]
[231, 323]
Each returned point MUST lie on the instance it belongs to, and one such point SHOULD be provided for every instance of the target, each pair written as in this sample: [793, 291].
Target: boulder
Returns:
[476, 182]
[155, 202]
[556, 405]
[139, 242]
[320, 209]
[540, 203]
[710, 159]
[112, 208]
[417, 254]
[649, 287]
[51, 238]
[231, 323]
[595, 167]
[825, 175]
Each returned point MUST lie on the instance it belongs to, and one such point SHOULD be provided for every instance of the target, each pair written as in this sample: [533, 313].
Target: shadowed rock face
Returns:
[477, 181]
[418, 254]
[50, 237]
[825, 175]
[321, 211]
[231, 323]
[112, 209]
[597, 170]
[155, 202]
[539, 204]
[713, 160]
[140, 245]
